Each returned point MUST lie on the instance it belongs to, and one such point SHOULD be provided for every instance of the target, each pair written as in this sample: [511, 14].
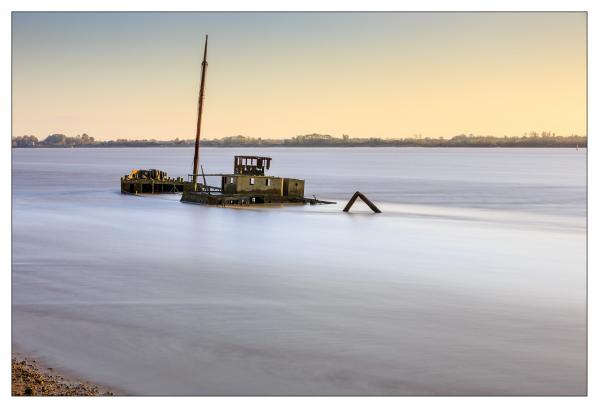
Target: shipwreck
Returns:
[248, 184]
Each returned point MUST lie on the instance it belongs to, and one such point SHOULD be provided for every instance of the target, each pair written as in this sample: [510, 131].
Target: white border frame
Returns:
[7, 6]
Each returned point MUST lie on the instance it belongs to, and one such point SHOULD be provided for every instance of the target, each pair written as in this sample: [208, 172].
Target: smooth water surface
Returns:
[471, 281]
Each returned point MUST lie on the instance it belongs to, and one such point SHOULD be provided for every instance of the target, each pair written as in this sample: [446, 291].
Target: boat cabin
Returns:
[249, 178]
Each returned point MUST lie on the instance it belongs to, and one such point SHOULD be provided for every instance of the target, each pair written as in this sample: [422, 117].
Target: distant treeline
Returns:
[532, 139]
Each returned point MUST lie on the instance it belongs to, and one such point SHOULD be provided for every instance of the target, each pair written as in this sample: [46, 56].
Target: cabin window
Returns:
[268, 182]
[232, 180]
[252, 181]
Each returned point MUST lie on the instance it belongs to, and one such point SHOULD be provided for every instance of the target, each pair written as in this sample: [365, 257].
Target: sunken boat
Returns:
[248, 184]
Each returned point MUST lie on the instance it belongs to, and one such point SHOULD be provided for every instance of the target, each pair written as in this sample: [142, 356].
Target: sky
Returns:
[277, 75]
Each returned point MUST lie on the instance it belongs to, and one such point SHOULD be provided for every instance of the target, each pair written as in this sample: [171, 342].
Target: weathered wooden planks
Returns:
[353, 199]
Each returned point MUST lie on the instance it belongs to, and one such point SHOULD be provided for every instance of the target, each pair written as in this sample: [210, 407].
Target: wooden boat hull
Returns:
[223, 200]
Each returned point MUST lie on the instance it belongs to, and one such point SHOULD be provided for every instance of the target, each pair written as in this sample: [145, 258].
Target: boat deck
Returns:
[151, 186]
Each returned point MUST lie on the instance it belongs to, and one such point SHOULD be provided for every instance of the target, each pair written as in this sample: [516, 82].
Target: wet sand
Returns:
[31, 378]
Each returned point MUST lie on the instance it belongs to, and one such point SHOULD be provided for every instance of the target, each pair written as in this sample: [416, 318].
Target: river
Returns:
[471, 282]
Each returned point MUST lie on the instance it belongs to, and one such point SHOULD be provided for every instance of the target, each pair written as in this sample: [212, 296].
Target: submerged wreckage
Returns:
[247, 185]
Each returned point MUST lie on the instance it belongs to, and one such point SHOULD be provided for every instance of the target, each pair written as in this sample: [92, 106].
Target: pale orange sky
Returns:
[277, 75]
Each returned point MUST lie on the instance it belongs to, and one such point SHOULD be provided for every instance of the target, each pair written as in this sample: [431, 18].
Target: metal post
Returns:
[204, 178]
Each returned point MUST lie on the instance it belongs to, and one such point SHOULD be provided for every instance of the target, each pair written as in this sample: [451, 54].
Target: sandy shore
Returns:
[31, 378]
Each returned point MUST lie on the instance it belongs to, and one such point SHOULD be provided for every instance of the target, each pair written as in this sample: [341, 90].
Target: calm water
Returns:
[472, 281]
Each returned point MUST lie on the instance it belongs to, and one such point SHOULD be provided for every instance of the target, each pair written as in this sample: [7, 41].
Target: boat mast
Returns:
[196, 155]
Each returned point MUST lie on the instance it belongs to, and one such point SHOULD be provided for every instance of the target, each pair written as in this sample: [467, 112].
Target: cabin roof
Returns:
[253, 157]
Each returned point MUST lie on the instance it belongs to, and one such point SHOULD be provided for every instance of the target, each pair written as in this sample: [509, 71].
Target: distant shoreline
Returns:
[545, 139]
[102, 146]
